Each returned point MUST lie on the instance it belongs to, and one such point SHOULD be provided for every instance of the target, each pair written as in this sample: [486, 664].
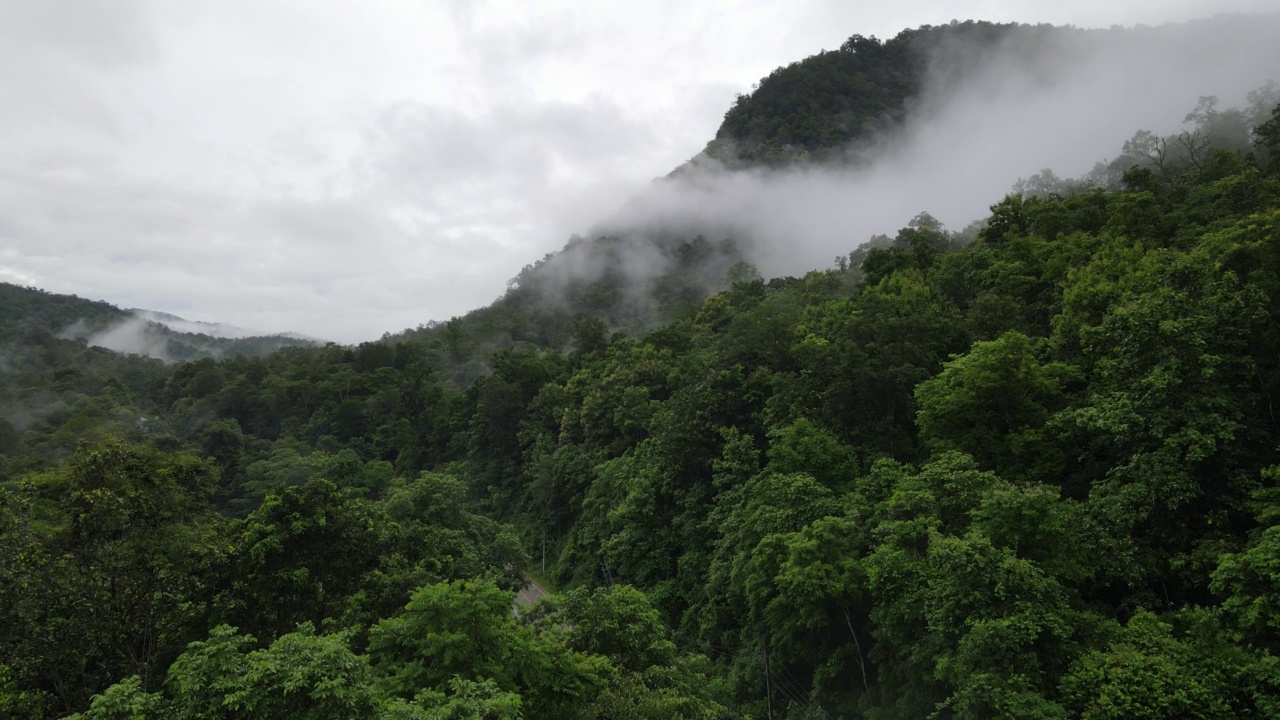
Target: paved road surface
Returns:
[530, 593]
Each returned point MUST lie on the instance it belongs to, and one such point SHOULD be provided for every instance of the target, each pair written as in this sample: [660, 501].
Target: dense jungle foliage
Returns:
[1031, 475]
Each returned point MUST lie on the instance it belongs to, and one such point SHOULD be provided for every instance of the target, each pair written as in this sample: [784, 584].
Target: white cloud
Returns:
[1072, 107]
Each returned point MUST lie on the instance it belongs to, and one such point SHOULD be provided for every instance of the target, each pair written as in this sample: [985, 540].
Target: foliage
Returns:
[1023, 471]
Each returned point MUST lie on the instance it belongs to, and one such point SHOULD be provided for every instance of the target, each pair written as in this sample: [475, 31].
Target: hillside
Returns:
[837, 105]
[769, 189]
[640, 278]
[33, 312]
[73, 369]
[1028, 470]
[577, 298]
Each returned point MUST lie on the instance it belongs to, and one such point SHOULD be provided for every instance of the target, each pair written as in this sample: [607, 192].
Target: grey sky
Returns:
[342, 169]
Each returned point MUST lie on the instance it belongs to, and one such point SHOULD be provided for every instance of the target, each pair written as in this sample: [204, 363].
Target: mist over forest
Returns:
[983, 115]
[940, 384]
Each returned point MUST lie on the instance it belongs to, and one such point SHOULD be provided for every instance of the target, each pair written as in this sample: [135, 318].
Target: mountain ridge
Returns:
[139, 332]
[1027, 470]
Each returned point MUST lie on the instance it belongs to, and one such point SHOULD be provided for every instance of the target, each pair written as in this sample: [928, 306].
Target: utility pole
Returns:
[768, 688]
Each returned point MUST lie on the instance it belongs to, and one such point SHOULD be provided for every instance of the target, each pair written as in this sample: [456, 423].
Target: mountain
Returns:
[844, 107]
[831, 150]
[139, 332]
[197, 327]
[634, 279]
[836, 105]
[1029, 469]
[73, 369]
[591, 290]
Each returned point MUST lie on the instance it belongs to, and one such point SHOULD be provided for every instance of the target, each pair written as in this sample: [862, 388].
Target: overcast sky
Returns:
[342, 169]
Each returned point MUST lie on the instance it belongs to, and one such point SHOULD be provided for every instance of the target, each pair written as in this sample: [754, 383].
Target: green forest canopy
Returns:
[1030, 475]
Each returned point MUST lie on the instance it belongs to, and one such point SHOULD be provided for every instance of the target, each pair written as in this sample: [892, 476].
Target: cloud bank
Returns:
[967, 144]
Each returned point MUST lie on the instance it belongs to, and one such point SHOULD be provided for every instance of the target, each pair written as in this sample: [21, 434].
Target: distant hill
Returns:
[198, 327]
[33, 312]
[73, 369]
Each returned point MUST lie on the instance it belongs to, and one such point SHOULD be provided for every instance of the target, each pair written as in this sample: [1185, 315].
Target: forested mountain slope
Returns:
[639, 278]
[835, 105]
[582, 295]
[1031, 473]
[32, 314]
[840, 121]
[846, 106]
[60, 384]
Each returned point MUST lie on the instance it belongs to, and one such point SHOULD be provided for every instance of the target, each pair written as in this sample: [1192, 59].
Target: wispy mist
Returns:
[173, 339]
[183, 325]
[1066, 105]
[136, 336]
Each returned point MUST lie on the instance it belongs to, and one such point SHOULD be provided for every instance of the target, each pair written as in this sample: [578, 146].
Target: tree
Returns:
[449, 629]
[1144, 673]
[302, 557]
[815, 607]
[300, 675]
[467, 630]
[618, 622]
[590, 337]
[1268, 139]
[106, 569]
[1249, 583]
[862, 357]
[992, 403]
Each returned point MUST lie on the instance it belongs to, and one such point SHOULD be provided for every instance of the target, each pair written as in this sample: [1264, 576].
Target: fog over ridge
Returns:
[344, 172]
[965, 145]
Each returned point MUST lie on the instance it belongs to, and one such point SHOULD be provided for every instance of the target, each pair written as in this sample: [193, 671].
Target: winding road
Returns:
[531, 593]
